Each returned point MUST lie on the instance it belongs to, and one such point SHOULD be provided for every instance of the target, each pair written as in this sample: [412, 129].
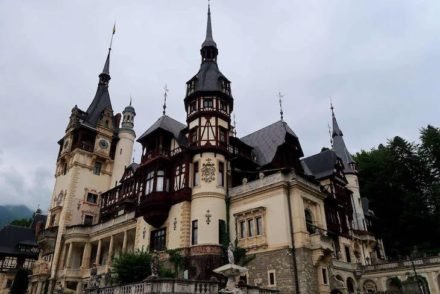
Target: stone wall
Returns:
[279, 261]
[308, 278]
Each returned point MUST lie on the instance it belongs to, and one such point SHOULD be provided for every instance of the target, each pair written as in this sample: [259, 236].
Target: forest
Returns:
[401, 179]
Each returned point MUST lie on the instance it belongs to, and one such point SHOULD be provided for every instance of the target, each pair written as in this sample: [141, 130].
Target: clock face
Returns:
[103, 144]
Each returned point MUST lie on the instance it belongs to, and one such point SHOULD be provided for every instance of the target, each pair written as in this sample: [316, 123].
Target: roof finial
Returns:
[131, 99]
[280, 96]
[165, 95]
[331, 107]
[113, 33]
[330, 134]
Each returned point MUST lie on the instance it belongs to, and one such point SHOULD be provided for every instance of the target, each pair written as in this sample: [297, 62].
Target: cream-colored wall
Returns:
[208, 198]
[276, 221]
[123, 155]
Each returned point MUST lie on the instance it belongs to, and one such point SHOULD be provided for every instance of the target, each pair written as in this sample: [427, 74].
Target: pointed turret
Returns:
[102, 96]
[339, 146]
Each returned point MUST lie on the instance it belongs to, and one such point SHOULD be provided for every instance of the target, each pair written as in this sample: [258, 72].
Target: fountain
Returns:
[232, 272]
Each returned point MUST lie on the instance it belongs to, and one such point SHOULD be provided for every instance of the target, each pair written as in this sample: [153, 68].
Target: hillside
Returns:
[9, 213]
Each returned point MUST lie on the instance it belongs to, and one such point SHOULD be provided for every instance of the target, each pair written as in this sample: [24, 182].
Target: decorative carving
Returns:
[175, 223]
[208, 171]
[208, 217]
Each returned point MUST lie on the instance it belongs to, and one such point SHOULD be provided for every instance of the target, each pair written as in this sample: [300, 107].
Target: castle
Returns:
[196, 186]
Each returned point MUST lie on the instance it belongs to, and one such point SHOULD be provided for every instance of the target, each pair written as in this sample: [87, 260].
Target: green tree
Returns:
[131, 267]
[20, 284]
[400, 183]
[22, 222]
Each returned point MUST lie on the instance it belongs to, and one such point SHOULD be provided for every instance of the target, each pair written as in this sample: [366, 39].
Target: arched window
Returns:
[309, 221]
[350, 285]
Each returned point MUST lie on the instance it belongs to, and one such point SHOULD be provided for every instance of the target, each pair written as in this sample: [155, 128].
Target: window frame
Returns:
[93, 194]
[196, 174]
[97, 168]
[90, 219]
[194, 232]
[158, 239]
[271, 282]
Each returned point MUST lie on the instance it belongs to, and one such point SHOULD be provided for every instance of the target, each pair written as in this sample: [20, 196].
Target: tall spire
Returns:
[104, 77]
[339, 145]
[165, 95]
[209, 47]
[209, 40]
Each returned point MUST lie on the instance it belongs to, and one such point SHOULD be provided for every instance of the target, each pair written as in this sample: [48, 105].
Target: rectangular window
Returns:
[97, 168]
[221, 174]
[242, 229]
[250, 227]
[221, 231]
[192, 107]
[222, 136]
[179, 177]
[157, 240]
[208, 103]
[196, 176]
[194, 232]
[347, 254]
[271, 275]
[92, 198]
[149, 183]
[324, 276]
[88, 219]
[259, 222]
[160, 181]
[52, 220]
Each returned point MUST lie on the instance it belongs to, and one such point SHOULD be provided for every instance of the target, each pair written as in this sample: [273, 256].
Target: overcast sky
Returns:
[379, 61]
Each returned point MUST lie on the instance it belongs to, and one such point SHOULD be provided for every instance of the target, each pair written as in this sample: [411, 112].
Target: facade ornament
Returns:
[143, 233]
[208, 171]
[231, 259]
[208, 217]
[175, 223]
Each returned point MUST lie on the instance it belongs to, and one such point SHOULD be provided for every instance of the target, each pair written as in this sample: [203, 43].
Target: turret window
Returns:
[208, 103]
[221, 174]
[194, 232]
[193, 136]
[309, 221]
[196, 176]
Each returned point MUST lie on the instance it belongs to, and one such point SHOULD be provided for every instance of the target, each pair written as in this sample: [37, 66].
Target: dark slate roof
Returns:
[321, 165]
[98, 105]
[168, 124]
[208, 77]
[11, 236]
[339, 146]
[266, 141]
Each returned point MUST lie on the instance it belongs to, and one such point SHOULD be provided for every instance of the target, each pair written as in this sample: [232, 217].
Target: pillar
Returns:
[110, 251]
[124, 242]
[98, 253]
[69, 255]
[85, 263]
[63, 257]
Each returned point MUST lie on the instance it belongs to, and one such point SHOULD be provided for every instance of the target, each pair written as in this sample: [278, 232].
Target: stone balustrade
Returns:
[181, 286]
[427, 261]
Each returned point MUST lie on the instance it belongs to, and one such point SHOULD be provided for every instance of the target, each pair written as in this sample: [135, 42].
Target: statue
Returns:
[231, 254]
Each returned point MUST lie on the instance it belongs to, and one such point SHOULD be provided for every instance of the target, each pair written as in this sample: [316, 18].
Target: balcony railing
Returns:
[427, 261]
[41, 267]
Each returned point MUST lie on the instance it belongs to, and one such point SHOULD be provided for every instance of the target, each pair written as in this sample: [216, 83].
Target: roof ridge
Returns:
[262, 129]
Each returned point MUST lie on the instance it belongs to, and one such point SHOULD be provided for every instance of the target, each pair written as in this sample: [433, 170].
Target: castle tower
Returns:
[208, 104]
[124, 147]
[350, 172]
[83, 169]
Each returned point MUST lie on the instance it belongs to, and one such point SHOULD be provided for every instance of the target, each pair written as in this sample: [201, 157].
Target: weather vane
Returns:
[165, 95]
[280, 96]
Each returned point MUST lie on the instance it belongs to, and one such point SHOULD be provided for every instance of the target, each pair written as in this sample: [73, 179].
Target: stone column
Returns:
[432, 282]
[85, 263]
[39, 285]
[98, 253]
[63, 257]
[69, 255]
[124, 242]
[110, 251]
